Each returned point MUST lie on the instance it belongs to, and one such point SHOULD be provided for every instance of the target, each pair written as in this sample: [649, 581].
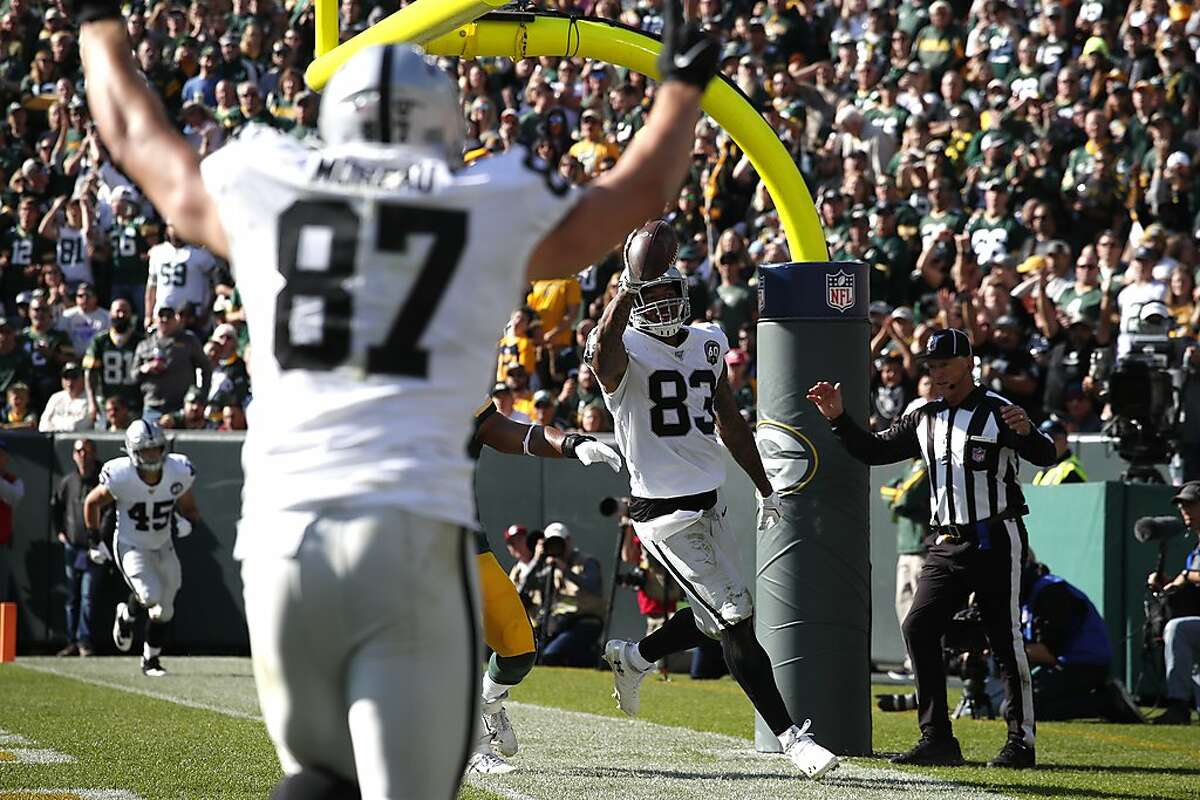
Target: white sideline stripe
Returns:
[12, 739]
[34, 755]
[170, 698]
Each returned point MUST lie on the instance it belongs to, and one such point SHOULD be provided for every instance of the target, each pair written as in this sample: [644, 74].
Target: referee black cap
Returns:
[950, 343]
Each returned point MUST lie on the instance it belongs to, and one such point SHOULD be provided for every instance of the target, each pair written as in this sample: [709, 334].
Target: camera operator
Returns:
[1067, 644]
[657, 594]
[564, 584]
[1182, 635]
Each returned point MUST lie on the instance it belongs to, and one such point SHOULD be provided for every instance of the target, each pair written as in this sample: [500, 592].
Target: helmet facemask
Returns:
[657, 312]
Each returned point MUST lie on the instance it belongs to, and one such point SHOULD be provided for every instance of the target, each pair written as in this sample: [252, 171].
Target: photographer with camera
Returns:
[564, 584]
[657, 593]
[1067, 644]
[1181, 637]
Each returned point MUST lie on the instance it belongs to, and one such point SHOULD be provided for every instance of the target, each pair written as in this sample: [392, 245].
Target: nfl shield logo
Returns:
[839, 290]
[978, 455]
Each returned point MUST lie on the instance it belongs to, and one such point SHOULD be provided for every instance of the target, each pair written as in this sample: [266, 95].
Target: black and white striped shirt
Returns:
[971, 455]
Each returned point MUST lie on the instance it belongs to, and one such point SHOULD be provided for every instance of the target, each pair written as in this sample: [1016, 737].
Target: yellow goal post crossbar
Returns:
[443, 31]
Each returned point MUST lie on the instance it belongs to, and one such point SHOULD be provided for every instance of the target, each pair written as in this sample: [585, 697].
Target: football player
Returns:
[664, 382]
[506, 628]
[152, 490]
[374, 272]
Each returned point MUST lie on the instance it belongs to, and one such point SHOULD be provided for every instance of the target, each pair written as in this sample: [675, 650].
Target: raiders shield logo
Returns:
[176, 488]
[839, 290]
[712, 351]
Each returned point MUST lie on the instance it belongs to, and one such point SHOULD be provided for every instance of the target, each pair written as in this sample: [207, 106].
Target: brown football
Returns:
[650, 251]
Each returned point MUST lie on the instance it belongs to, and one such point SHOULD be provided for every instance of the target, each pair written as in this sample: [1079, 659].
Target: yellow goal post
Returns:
[454, 28]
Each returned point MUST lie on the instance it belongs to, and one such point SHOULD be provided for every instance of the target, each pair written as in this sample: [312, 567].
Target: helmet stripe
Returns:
[385, 94]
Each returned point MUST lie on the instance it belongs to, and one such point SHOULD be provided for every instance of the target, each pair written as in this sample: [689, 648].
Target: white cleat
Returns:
[122, 628]
[626, 679]
[499, 728]
[485, 762]
[812, 759]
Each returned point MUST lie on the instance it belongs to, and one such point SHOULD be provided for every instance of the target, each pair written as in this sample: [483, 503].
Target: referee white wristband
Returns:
[525, 444]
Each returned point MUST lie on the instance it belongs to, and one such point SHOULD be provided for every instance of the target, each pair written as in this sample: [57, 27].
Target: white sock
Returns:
[493, 691]
[636, 661]
[150, 652]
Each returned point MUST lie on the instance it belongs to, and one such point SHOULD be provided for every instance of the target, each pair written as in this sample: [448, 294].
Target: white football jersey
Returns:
[144, 512]
[663, 410]
[72, 255]
[182, 275]
[374, 286]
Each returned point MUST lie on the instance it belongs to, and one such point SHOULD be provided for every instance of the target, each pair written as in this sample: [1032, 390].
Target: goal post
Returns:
[530, 35]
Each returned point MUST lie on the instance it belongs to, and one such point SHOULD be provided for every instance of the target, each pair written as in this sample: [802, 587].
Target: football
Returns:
[650, 251]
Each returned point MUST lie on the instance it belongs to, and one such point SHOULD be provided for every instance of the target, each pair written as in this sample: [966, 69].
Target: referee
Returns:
[970, 439]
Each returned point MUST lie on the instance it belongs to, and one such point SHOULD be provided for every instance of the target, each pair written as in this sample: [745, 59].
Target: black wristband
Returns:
[93, 537]
[572, 440]
[95, 10]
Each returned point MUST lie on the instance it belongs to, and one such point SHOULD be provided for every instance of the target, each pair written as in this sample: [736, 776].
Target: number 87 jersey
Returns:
[144, 512]
[663, 412]
[375, 283]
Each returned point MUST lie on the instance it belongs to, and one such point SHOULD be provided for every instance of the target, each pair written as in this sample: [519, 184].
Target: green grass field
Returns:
[195, 734]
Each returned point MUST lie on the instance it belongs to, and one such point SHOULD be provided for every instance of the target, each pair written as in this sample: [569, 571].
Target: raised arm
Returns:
[648, 175]
[895, 444]
[605, 352]
[134, 127]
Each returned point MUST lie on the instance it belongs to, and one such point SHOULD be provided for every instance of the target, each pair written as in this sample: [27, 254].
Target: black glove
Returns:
[82, 11]
[688, 54]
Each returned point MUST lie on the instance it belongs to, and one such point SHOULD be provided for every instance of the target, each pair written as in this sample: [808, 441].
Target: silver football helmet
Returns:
[393, 94]
[141, 436]
[665, 315]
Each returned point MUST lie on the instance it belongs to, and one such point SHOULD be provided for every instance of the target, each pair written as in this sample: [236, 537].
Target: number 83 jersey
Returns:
[144, 512]
[663, 410]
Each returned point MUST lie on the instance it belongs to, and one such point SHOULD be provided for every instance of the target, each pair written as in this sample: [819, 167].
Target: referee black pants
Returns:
[989, 564]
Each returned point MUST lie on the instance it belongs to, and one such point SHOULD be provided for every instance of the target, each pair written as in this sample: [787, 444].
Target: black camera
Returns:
[634, 579]
[966, 653]
[554, 546]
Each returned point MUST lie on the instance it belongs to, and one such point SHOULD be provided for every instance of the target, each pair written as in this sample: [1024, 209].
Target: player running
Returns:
[665, 384]
[374, 272]
[153, 493]
[506, 628]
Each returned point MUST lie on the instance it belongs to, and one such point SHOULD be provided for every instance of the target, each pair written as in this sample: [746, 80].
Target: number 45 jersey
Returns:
[663, 409]
[375, 284]
[144, 512]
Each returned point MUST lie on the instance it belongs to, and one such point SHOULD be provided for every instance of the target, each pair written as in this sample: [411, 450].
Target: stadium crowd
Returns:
[1023, 170]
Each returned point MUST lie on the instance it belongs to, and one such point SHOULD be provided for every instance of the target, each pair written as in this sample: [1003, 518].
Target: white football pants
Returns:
[154, 575]
[704, 559]
[366, 649]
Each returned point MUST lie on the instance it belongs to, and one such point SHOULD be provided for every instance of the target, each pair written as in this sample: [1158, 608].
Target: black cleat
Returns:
[930, 752]
[1014, 755]
[1177, 713]
[151, 668]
